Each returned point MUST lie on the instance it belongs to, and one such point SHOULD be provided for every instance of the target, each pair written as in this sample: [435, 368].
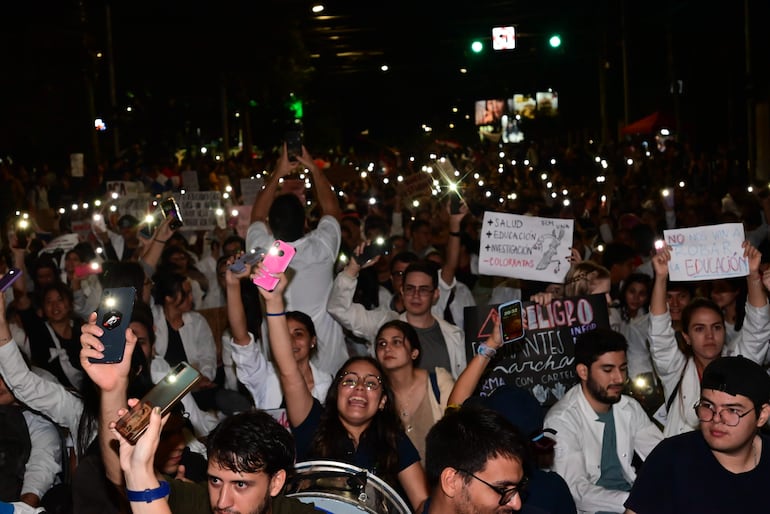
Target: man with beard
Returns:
[598, 430]
[728, 453]
[474, 460]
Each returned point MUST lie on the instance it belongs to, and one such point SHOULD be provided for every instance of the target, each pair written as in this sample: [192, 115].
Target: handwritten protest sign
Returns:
[124, 188]
[250, 187]
[190, 180]
[712, 251]
[543, 362]
[416, 186]
[242, 221]
[199, 209]
[525, 247]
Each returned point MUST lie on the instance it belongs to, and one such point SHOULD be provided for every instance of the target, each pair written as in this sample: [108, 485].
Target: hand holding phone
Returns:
[114, 316]
[170, 209]
[511, 321]
[276, 260]
[293, 140]
[9, 278]
[455, 202]
[165, 395]
[247, 260]
[372, 249]
[89, 268]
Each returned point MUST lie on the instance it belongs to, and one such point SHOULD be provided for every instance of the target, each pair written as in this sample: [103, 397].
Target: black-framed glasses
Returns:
[506, 493]
[351, 379]
[411, 290]
[730, 416]
[398, 273]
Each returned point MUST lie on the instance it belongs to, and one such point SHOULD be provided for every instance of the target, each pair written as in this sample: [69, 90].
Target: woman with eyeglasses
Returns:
[358, 423]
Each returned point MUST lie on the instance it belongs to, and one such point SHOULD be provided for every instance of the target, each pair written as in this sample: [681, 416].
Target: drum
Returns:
[342, 488]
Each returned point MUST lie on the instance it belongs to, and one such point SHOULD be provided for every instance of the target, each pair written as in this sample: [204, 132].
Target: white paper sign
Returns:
[199, 209]
[250, 187]
[525, 247]
[708, 252]
[76, 164]
[190, 180]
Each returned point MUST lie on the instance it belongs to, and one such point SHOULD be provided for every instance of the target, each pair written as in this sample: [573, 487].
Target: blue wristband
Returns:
[149, 495]
[275, 313]
[486, 351]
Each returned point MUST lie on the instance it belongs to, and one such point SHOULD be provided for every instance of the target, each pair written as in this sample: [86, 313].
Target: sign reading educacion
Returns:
[526, 247]
[707, 252]
[543, 362]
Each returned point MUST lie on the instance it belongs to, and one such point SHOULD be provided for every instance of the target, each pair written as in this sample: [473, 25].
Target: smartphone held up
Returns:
[114, 316]
[511, 321]
[165, 394]
[170, 209]
[276, 260]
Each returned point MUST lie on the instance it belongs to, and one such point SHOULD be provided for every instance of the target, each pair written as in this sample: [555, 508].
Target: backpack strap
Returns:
[670, 400]
[434, 385]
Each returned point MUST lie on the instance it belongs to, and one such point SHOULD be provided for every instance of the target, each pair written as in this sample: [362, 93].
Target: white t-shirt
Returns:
[310, 275]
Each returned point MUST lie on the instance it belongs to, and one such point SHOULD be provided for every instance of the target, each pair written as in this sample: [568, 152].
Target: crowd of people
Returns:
[361, 357]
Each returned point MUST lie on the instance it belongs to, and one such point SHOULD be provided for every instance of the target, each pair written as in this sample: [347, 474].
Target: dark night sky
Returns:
[172, 56]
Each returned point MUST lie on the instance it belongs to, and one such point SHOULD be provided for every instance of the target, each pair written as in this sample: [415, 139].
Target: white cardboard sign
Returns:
[526, 247]
[707, 252]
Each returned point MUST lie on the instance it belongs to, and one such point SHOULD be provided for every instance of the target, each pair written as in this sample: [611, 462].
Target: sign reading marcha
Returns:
[542, 362]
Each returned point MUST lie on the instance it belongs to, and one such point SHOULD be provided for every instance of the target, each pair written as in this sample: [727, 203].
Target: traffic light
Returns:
[554, 41]
[477, 46]
[295, 106]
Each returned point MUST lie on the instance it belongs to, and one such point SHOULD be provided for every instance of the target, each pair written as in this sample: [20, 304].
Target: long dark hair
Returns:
[384, 428]
[634, 278]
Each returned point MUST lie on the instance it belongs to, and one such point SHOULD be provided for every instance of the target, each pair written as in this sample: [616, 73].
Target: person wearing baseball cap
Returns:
[725, 465]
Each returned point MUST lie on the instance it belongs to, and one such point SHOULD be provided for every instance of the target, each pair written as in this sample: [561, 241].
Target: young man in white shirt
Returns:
[598, 430]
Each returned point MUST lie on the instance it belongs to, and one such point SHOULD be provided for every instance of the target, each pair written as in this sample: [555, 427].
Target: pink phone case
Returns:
[276, 260]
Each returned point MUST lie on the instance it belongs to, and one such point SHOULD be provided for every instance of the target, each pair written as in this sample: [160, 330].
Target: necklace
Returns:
[405, 414]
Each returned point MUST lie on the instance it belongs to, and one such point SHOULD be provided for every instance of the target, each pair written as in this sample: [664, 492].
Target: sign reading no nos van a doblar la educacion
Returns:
[707, 252]
[526, 247]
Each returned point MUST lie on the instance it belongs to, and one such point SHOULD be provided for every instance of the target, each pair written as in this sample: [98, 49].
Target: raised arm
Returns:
[112, 380]
[155, 246]
[453, 244]
[136, 462]
[327, 200]
[265, 198]
[297, 396]
[756, 291]
[468, 380]
[658, 297]
[236, 314]
[21, 299]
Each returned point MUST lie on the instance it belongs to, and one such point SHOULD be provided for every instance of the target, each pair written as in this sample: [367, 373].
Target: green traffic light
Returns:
[477, 46]
[555, 41]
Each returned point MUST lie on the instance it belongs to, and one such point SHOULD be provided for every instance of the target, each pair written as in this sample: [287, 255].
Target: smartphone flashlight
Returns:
[659, 244]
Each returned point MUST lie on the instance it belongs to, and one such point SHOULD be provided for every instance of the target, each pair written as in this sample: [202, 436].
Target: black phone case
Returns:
[371, 251]
[114, 319]
[171, 208]
[511, 321]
